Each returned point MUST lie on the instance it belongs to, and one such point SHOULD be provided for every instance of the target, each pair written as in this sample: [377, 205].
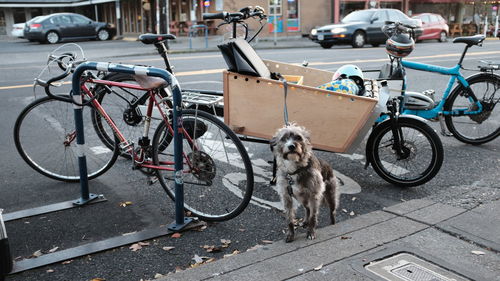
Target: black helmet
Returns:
[399, 45]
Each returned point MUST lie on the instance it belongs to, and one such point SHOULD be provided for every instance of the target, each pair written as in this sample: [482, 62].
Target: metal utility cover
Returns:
[407, 267]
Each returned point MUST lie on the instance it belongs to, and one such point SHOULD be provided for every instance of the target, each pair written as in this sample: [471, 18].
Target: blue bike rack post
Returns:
[193, 29]
[180, 220]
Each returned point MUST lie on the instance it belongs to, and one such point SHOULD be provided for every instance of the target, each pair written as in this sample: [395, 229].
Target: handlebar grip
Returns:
[215, 16]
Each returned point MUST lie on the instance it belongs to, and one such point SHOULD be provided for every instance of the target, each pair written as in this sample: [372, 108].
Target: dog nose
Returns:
[291, 147]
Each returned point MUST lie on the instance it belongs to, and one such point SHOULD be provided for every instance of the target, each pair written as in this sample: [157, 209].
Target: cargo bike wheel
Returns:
[217, 174]
[409, 156]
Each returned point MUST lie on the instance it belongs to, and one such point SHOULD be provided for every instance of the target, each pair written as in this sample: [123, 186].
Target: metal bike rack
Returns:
[194, 29]
[180, 220]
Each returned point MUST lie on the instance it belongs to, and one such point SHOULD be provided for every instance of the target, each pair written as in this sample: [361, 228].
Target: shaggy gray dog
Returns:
[301, 175]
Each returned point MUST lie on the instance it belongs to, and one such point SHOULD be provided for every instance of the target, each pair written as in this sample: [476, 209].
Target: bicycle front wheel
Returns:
[478, 128]
[421, 157]
[218, 175]
[45, 138]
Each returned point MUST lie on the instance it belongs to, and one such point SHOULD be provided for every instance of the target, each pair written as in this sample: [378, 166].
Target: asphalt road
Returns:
[468, 177]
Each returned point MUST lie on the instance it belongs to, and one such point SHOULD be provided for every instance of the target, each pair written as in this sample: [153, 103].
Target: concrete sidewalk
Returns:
[200, 44]
[440, 242]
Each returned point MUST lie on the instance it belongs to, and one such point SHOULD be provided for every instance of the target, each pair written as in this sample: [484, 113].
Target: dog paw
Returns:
[289, 238]
[311, 235]
[304, 225]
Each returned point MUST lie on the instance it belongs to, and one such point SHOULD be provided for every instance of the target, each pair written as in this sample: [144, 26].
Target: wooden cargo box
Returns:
[254, 106]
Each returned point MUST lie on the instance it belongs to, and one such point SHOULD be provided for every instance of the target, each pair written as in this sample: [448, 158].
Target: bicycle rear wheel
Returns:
[479, 128]
[45, 138]
[422, 153]
[218, 181]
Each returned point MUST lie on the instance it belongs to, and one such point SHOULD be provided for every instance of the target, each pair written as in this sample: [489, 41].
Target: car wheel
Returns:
[442, 37]
[375, 44]
[326, 45]
[103, 34]
[52, 37]
[358, 39]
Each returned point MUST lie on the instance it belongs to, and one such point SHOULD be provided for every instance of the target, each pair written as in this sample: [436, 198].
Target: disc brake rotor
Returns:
[202, 165]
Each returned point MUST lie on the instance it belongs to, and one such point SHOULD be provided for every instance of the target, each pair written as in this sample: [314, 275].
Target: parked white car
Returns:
[18, 30]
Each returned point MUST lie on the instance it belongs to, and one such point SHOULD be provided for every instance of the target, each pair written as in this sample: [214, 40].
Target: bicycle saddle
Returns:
[148, 82]
[150, 38]
[470, 40]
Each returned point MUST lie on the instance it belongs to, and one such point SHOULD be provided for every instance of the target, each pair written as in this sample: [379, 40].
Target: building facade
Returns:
[286, 17]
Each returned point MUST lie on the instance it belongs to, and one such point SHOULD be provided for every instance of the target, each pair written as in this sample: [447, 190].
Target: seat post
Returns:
[463, 54]
[162, 50]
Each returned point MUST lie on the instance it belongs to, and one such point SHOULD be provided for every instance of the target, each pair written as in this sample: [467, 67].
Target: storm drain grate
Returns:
[407, 267]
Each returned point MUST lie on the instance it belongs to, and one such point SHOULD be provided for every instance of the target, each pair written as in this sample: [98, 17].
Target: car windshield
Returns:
[364, 15]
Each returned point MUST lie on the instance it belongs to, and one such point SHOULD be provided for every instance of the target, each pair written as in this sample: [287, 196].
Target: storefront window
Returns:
[276, 16]
[3, 30]
[19, 15]
[292, 21]
[275, 7]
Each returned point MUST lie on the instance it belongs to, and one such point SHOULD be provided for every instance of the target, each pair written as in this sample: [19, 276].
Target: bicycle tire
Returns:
[402, 172]
[480, 128]
[40, 133]
[222, 164]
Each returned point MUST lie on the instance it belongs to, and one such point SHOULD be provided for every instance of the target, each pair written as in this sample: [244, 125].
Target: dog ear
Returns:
[273, 142]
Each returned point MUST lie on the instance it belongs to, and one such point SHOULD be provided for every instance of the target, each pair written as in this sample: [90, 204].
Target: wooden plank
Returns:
[255, 105]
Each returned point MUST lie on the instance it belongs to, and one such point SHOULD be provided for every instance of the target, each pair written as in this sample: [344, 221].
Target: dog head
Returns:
[292, 143]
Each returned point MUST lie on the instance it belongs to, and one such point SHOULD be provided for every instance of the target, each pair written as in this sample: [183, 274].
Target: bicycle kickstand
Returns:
[444, 131]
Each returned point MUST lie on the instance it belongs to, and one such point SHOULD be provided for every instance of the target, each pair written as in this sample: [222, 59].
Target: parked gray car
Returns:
[67, 26]
[361, 27]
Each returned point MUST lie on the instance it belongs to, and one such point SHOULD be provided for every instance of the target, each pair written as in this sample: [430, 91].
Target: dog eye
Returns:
[298, 138]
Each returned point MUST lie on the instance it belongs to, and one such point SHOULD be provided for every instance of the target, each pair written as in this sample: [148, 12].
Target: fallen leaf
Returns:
[168, 248]
[18, 258]
[354, 199]
[50, 270]
[345, 237]
[242, 229]
[210, 260]
[351, 213]
[212, 248]
[235, 252]
[125, 204]
[254, 248]
[344, 210]
[53, 249]
[225, 241]
[301, 269]
[135, 247]
[37, 254]
[267, 241]
[178, 269]
[197, 259]
[201, 228]
[158, 276]
[67, 262]
[479, 253]
[129, 233]
[176, 235]
[318, 267]
[143, 243]
[98, 279]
